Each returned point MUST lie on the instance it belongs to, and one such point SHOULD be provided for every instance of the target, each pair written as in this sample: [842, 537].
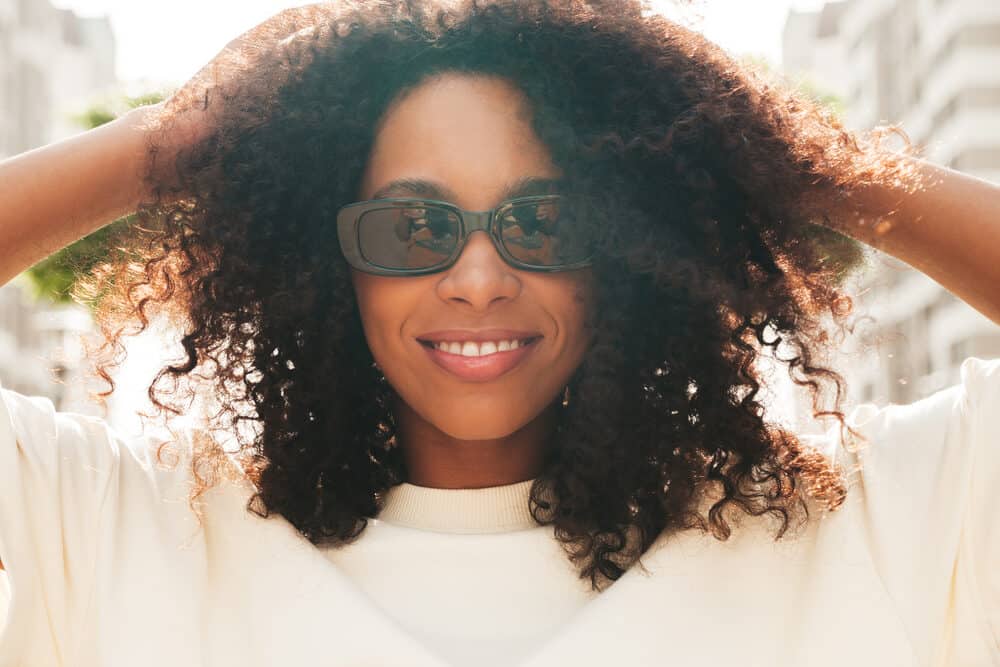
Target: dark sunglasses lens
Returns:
[408, 237]
[544, 233]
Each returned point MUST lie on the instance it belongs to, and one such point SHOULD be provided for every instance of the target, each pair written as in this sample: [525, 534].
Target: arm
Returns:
[56, 194]
[949, 230]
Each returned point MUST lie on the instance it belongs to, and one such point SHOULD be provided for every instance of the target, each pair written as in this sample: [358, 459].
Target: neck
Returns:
[437, 460]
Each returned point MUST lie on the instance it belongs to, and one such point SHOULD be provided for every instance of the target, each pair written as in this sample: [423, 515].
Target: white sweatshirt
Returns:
[108, 567]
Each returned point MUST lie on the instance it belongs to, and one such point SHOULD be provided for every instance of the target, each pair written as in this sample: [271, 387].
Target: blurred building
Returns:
[52, 65]
[933, 66]
[40, 350]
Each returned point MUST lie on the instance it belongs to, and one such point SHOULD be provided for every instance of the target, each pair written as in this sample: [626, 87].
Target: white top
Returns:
[108, 567]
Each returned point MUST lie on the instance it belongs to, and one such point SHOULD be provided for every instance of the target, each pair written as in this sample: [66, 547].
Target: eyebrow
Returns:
[419, 187]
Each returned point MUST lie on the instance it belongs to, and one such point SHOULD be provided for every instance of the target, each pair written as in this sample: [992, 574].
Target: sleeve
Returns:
[979, 551]
[926, 479]
[55, 471]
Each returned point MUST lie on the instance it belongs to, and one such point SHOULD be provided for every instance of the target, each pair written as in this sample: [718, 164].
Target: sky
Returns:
[165, 43]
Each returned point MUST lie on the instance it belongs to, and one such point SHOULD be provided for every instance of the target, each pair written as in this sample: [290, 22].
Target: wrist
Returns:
[137, 125]
[872, 212]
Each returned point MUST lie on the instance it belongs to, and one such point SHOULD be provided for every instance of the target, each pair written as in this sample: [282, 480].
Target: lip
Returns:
[479, 336]
[481, 369]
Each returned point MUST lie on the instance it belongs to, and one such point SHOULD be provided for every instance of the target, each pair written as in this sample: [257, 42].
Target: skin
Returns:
[455, 433]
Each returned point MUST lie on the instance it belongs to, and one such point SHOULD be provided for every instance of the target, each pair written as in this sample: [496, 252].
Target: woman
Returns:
[462, 443]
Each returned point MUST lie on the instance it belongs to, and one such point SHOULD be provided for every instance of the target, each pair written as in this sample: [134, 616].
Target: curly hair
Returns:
[711, 189]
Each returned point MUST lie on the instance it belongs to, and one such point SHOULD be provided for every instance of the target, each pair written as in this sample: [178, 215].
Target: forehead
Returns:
[470, 134]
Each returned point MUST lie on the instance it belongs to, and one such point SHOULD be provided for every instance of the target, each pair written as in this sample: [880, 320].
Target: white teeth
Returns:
[472, 349]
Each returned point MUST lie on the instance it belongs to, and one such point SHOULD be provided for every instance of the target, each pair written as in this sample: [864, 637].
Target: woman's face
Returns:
[472, 139]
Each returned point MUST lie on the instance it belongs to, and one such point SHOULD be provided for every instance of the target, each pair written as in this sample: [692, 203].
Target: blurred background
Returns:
[931, 65]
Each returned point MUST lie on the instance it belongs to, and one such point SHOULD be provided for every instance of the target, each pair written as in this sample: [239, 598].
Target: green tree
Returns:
[53, 277]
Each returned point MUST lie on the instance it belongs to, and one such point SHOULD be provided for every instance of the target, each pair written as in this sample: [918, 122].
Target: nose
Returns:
[480, 277]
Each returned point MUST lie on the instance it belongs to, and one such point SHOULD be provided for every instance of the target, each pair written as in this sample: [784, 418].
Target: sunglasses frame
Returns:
[348, 233]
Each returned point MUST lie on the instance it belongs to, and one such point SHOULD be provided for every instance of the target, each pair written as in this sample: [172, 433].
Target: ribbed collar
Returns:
[494, 509]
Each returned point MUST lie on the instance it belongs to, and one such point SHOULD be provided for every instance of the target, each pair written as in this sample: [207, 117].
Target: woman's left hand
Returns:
[949, 229]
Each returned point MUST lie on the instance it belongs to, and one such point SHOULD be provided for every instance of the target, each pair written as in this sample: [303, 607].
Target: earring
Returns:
[565, 400]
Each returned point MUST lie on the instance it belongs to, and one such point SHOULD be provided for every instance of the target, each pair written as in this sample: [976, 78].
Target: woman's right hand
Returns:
[190, 114]
[56, 194]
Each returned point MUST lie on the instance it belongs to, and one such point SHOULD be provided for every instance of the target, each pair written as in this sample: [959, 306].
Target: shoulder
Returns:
[68, 447]
[911, 441]
[915, 471]
[75, 471]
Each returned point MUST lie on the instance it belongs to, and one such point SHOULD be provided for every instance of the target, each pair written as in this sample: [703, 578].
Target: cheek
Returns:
[570, 300]
[583, 315]
[579, 297]
[383, 304]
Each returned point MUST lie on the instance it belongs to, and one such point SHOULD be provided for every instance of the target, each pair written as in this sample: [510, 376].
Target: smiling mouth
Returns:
[476, 350]
[473, 364]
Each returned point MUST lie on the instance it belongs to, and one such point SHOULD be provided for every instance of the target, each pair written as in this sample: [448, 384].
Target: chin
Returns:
[485, 424]
[479, 431]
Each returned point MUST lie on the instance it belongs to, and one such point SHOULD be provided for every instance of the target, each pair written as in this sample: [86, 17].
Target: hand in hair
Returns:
[190, 114]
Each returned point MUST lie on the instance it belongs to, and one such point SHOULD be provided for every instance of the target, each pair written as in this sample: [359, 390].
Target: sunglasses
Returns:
[410, 237]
